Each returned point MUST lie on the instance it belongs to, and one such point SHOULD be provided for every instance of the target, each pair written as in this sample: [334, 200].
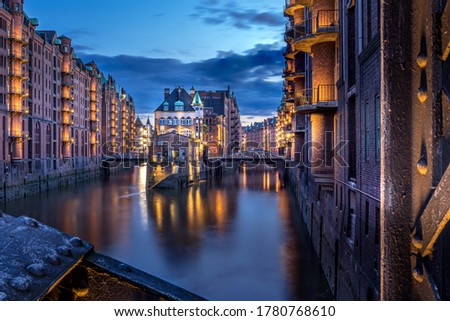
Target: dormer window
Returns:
[179, 106]
[166, 106]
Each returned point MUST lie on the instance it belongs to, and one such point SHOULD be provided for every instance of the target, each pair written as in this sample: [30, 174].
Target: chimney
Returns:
[192, 92]
[166, 92]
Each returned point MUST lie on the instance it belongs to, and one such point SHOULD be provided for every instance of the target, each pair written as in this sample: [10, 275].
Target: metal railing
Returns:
[324, 21]
[288, 50]
[16, 133]
[313, 96]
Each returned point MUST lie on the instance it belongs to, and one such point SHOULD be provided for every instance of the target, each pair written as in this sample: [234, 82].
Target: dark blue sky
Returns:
[147, 45]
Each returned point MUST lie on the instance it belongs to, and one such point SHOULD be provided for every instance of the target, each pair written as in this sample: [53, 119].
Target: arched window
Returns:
[175, 121]
[189, 121]
[183, 121]
[169, 121]
[82, 144]
[77, 145]
[161, 121]
[48, 142]
[37, 140]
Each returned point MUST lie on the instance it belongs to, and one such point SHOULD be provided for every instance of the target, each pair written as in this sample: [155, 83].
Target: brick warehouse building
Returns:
[394, 140]
[55, 110]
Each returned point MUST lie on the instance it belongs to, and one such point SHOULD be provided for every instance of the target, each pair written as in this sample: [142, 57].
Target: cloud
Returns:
[79, 48]
[250, 75]
[229, 13]
[72, 33]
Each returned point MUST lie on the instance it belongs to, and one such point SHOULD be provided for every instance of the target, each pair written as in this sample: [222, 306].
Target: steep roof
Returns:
[138, 122]
[197, 100]
[178, 96]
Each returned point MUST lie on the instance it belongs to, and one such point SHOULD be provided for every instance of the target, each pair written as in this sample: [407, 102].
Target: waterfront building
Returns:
[143, 137]
[179, 113]
[56, 111]
[327, 100]
[214, 132]
[341, 97]
[270, 135]
[212, 117]
[254, 136]
[224, 103]
[261, 136]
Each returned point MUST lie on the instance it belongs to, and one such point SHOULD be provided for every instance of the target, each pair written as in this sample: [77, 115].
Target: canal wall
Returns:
[315, 198]
[27, 185]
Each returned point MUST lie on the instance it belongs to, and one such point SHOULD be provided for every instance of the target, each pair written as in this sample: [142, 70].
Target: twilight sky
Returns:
[147, 45]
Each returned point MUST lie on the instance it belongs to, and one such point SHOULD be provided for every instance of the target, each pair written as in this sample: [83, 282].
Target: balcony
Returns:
[289, 33]
[66, 121]
[17, 92]
[322, 98]
[293, 74]
[18, 74]
[18, 109]
[18, 39]
[289, 52]
[289, 97]
[15, 133]
[67, 83]
[67, 140]
[292, 5]
[18, 57]
[67, 72]
[324, 27]
[94, 126]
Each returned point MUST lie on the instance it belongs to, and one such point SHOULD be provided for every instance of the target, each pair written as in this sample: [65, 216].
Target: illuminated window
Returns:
[169, 121]
[161, 121]
[175, 121]
[183, 121]
[189, 121]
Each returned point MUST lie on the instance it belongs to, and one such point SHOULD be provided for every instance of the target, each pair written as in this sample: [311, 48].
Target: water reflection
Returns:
[236, 238]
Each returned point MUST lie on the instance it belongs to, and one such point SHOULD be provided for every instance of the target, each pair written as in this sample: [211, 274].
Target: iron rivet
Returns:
[76, 241]
[31, 222]
[37, 269]
[21, 284]
[64, 250]
[53, 259]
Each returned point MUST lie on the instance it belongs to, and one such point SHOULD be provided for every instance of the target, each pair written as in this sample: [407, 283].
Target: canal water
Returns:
[235, 238]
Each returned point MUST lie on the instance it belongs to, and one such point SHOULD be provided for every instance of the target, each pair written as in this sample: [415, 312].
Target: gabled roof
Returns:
[138, 122]
[178, 96]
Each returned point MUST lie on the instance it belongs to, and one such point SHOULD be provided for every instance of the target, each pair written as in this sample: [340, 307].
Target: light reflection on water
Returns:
[238, 238]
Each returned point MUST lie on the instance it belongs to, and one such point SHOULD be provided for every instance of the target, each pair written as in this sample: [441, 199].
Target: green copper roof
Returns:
[197, 100]
[178, 103]
[34, 22]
